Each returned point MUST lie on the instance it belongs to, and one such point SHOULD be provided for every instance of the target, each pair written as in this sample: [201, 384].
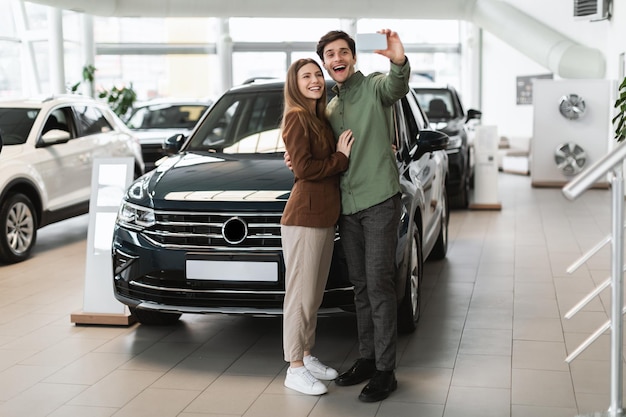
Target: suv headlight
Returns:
[135, 217]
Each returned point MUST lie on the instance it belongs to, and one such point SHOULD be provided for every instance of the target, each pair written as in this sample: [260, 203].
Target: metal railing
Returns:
[611, 164]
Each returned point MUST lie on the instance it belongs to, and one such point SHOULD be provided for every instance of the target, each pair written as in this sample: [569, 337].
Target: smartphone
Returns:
[371, 41]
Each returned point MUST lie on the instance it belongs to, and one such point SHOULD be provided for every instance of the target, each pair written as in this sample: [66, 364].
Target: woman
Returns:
[308, 222]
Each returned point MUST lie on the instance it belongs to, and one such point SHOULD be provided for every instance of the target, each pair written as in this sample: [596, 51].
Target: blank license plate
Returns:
[232, 270]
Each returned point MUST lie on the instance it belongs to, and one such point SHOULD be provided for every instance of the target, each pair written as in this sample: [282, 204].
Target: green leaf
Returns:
[619, 120]
[74, 88]
[89, 73]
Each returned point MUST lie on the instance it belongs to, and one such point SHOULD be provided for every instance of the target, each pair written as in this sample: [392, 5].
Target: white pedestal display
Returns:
[486, 169]
[110, 178]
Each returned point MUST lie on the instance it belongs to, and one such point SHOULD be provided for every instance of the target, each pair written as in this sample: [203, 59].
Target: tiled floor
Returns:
[491, 342]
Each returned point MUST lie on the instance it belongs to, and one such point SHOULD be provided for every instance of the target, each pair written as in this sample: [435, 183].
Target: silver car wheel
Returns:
[410, 306]
[20, 227]
[570, 158]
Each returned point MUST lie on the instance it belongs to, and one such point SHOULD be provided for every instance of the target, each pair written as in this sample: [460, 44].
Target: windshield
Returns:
[15, 124]
[242, 123]
[167, 116]
[437, 104]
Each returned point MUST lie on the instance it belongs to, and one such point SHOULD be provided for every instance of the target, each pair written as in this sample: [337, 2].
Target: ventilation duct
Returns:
[591, 9]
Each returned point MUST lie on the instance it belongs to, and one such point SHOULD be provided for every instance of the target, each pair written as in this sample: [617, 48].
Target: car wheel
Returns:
[154, 318]
[468, 187]
[461, 199]
[466, 192]
[409, 308]
[18, 223]
[441, 245]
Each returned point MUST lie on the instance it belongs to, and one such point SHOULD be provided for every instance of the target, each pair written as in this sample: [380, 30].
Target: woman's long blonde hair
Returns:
[316, 121]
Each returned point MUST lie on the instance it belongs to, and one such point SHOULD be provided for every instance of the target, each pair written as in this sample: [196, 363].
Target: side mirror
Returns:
[473, 114]
[173, 144]
[54, 136]
[430, 141]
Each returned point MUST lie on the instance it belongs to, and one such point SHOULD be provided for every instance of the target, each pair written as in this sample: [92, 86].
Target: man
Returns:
[370, 198]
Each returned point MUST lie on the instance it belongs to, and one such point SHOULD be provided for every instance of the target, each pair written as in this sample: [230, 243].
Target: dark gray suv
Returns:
[446, 113]
[201, 232]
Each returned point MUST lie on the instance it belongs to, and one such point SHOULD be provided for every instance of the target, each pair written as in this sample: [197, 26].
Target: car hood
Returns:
[192, 180]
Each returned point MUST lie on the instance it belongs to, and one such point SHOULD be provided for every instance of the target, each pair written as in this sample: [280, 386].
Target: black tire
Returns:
[154, 318]
[18, 226]
[441, 245]
[468, 184]
[410, 307]
[461, 199]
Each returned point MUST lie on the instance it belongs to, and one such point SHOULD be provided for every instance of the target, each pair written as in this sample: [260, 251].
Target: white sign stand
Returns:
[486, 169]
[110, 178]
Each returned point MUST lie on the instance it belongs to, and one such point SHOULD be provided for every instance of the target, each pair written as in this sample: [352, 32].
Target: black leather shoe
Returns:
[363, 369]
[380, 386]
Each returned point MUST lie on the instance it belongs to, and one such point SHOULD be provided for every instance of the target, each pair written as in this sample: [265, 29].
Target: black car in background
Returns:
[445, 112]
[201, 232]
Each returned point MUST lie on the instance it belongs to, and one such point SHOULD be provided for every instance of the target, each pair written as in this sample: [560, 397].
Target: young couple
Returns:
[345, 171]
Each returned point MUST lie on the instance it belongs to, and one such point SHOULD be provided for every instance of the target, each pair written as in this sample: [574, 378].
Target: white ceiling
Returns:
[538, 41]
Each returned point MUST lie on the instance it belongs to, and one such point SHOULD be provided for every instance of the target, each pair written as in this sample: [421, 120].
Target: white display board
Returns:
[563, 146]
[485, 169]
[110, 178]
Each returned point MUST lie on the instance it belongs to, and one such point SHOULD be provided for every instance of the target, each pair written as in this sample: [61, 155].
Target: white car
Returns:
[156, 120]
[46, 163]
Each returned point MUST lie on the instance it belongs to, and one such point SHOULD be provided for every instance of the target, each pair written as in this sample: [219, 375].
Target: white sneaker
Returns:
[318, 369]
[301, 380]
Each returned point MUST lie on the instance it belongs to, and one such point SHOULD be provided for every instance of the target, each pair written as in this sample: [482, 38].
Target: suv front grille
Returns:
[228, 231]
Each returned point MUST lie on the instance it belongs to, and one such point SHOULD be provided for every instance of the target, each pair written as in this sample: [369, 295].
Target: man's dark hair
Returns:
[332, 36]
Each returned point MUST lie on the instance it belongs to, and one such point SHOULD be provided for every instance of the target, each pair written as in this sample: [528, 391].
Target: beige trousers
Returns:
[307, 252]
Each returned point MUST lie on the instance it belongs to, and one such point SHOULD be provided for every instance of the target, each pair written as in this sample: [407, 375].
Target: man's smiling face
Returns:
[339, 61]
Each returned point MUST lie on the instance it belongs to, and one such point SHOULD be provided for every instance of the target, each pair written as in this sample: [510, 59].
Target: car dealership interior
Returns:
[517, 311]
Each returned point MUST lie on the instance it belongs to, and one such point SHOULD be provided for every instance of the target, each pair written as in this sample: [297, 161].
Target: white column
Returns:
[471, 65]
[31, 84]
[348, 26]
[89, 51]
[56, 61]
[224, 48]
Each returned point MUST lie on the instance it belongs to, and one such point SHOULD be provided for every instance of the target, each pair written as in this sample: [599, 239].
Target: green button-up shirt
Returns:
[363, 104]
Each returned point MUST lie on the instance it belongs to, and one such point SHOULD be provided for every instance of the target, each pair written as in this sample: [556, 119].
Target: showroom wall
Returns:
[502, 64]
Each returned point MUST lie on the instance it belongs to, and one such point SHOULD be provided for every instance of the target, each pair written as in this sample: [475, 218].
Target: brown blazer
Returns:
[315, 200]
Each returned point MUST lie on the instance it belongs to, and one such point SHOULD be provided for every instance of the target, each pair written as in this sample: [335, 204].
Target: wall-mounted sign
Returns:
[525, 87]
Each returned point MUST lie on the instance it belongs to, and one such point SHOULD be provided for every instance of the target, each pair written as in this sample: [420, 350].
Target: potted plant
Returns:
[119, 99]
[619, 121]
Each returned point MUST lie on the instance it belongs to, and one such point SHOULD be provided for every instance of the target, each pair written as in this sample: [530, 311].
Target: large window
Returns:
[154, 76]
[282, 30]
[169, 57]
[432, 47]
[10, 76]
[166, 57]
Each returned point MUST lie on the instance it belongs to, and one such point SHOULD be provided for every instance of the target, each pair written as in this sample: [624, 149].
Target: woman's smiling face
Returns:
[311, 82]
